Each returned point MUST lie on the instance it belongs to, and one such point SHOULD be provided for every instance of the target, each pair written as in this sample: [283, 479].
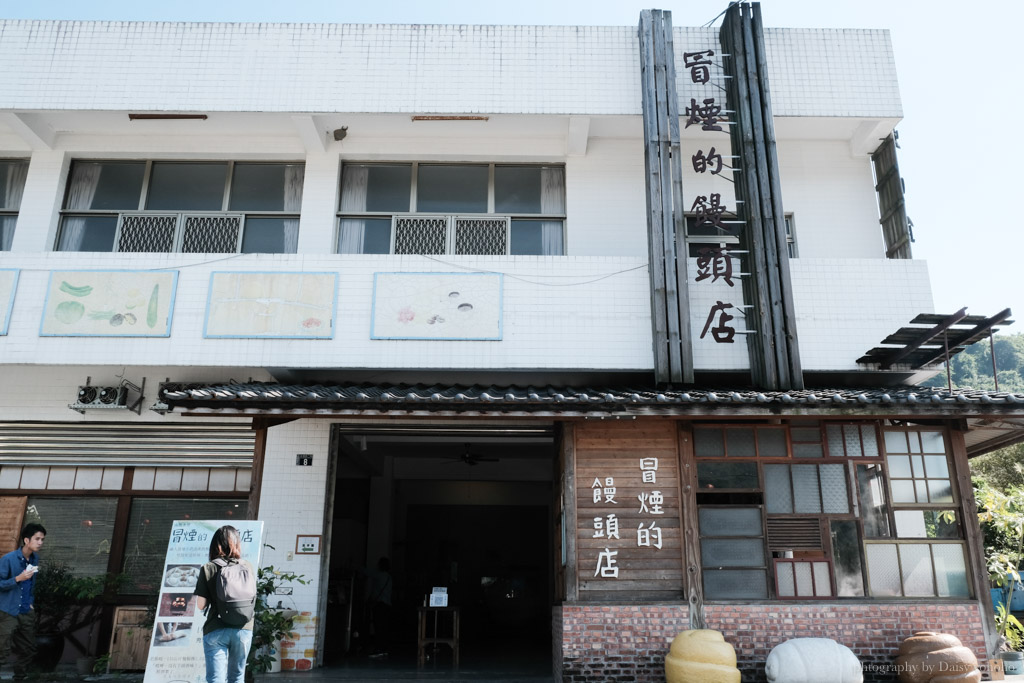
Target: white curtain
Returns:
[352, 231]
[13, 191]
[7, 224]
[84, 181]
[16, 174]
[293, 177]
[552, 201]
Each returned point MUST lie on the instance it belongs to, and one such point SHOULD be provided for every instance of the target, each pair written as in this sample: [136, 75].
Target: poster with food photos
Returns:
[176, 653]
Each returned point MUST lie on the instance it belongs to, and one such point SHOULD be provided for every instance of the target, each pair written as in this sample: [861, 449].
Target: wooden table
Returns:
[430, 615]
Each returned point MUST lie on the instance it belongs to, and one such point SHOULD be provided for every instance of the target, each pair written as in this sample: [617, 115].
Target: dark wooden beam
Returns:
[925, 337]
[962, 338]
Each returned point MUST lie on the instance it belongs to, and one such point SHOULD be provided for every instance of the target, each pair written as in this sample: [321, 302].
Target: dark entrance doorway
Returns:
[471, 514]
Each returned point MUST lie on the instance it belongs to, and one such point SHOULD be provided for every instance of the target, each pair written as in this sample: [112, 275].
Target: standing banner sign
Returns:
[176, 653]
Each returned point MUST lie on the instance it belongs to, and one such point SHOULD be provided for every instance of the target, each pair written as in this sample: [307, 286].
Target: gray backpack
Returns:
[235, 592]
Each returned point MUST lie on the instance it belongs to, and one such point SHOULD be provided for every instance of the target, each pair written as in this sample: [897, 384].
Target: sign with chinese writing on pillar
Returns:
[628, 534]
[176, 653]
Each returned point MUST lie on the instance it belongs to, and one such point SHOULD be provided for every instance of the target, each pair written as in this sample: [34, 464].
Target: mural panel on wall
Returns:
[271, 305]
[8, 285]
[442, 306]
[109, 303]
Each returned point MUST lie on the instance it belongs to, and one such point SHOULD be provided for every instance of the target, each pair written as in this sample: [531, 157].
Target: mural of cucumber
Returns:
[84, 290]
[154, 300]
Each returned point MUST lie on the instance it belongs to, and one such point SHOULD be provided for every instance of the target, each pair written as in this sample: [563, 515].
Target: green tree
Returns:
[973, 366]
[1001, 469]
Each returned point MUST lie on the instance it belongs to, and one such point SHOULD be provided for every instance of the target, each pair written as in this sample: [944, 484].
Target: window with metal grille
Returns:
[466, 209]
[199, 207]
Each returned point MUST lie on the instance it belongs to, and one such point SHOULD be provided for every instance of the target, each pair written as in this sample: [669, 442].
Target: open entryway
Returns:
[464, 508]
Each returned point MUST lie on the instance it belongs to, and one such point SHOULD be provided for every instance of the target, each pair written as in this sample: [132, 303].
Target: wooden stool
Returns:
[428, 614]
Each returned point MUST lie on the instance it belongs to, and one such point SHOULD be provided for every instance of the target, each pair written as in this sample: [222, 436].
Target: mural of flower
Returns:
[405, 315]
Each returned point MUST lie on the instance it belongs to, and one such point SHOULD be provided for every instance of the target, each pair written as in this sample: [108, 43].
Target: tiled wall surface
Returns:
[629, 642]
[559, 312]
[292, 503]
[406, 68]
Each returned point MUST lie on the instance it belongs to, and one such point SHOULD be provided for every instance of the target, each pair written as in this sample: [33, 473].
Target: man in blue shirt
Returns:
[17, 619]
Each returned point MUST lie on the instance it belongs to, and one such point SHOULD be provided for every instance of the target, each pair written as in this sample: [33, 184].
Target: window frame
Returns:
[141, 210]
[7, 211]
[451, 217]
[850, 459]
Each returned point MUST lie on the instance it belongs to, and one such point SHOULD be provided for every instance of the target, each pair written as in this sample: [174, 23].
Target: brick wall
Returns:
[629, 642]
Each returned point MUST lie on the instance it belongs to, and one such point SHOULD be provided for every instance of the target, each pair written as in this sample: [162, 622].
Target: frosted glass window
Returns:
[883, 570]
[89, 478]
[834, 495]
[735, 584]
[731, 521]
[806, 494]
[731, 552]
[896, 442]
[805, 434]
[113, 477]
[708, 443]
[804, 580]
[899, 466]
[936, 466]
[778, 495]
[806, 450]
[835, 440]
[932, 442]
[940, 491]
[851, 438]
[950, 570]
[916, 563]
[771, 443]
[869, 441]
[785, 577]
[740, 443]
[168, 479]
[822, 581]
[10, 477]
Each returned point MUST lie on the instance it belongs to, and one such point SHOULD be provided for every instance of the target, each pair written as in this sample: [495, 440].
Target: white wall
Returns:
[141, 66]
[832, 198]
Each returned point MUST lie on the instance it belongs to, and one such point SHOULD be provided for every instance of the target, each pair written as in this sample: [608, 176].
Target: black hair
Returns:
[226, 543]
[31, 530]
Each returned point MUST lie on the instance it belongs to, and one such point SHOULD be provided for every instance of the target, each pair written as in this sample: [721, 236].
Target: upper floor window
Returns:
[451, 209]
[166, 206]
[12, 186]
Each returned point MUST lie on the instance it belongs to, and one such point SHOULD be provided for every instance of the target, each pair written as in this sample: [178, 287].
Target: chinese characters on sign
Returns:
[708, 211]
[651, 504]
[176, 653]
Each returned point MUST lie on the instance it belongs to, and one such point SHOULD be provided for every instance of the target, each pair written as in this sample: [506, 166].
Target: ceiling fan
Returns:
[471, 458]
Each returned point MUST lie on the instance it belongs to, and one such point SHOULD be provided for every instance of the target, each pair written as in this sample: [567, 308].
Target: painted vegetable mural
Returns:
[108, 303]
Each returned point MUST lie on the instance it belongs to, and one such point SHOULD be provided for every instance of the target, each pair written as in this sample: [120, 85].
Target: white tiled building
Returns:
[165, 186]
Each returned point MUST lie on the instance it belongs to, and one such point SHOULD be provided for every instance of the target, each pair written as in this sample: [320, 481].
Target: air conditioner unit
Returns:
[93, 398]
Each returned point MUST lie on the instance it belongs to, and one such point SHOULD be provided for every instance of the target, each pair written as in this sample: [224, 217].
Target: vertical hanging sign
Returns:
[709, 214]
[176, 652]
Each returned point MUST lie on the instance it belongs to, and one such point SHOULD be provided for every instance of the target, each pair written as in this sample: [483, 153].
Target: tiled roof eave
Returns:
[364, 399]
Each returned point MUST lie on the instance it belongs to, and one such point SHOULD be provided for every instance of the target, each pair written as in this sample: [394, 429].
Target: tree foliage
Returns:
[973, 366]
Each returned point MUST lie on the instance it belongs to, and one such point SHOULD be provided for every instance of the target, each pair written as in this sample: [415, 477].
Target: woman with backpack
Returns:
[223, 590]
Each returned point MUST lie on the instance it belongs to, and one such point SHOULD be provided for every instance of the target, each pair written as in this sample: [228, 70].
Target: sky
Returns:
[961, 101]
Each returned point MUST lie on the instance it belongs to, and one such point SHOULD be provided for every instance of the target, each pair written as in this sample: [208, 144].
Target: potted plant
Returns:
[65, 604]
[271, 623]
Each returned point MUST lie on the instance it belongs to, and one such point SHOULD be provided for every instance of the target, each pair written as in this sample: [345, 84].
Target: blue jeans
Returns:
[226, 650]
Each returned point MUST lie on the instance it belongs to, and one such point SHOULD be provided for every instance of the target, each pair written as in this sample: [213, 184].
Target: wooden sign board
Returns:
[12, 518]
[628, 529]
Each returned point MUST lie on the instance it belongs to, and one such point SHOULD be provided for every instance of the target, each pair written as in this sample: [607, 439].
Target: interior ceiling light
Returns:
[451, 118]
[165, 117]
